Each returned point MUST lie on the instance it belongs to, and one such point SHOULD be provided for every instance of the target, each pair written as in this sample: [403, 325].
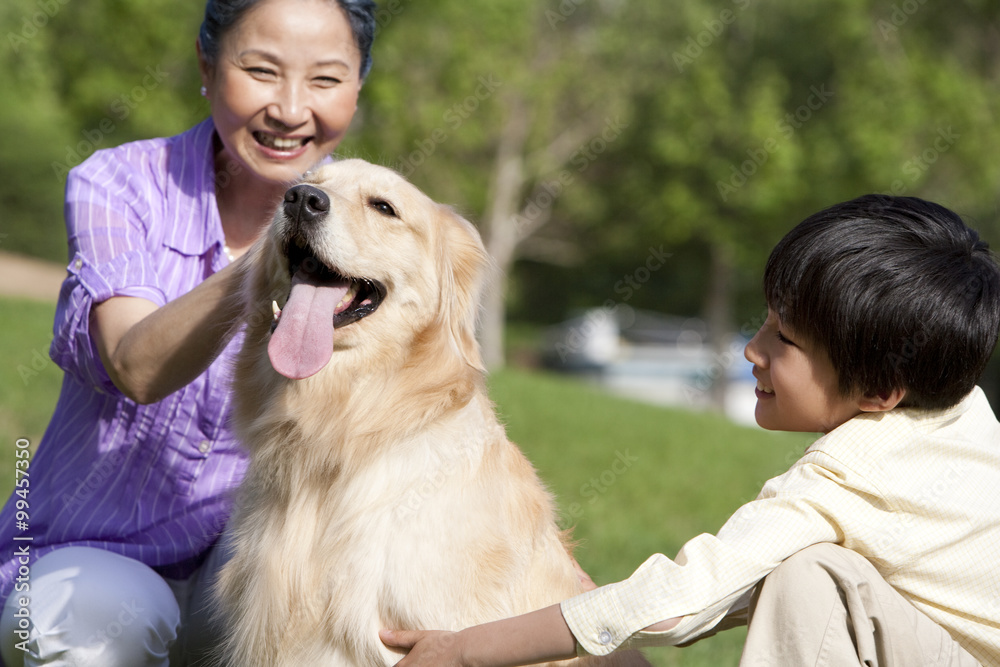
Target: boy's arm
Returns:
[538, 636]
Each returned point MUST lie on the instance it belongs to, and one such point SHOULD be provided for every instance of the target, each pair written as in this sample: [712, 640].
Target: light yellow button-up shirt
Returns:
[916, 492]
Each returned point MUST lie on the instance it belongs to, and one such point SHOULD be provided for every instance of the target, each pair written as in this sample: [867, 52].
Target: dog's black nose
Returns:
[305, 203]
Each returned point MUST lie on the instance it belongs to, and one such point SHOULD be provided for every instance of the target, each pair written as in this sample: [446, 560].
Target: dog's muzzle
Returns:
[305, 204]
[321, 297]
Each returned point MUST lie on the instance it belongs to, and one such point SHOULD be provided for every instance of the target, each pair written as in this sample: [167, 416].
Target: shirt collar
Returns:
[191, 169]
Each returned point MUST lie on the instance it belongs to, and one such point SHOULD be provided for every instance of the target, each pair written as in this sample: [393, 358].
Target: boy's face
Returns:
[796, 382]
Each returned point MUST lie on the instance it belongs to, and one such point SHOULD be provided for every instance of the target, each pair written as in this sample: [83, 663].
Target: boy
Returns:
[879, 546]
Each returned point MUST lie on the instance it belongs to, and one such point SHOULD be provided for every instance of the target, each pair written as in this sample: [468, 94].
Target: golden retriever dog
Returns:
[382, 491]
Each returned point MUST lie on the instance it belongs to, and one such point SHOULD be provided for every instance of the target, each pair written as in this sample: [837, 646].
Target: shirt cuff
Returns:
[593, 636]
[73, 347]
[604, 619]
[128, 274]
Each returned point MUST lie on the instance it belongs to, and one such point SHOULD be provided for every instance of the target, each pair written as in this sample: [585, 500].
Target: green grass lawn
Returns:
[29, 381]
[631, 479]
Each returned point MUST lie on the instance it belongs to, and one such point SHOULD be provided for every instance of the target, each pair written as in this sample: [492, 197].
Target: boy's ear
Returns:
[882, 402]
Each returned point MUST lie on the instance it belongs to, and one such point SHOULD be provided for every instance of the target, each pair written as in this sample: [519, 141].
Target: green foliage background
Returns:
[737, 117]
[725, 143]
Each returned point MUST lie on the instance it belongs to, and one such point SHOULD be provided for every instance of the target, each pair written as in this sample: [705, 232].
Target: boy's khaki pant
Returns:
[827, 605]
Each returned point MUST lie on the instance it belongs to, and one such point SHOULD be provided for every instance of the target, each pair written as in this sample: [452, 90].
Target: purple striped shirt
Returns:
[151, 482]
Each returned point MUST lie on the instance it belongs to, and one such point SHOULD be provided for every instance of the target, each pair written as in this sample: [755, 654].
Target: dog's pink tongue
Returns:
[302, 343]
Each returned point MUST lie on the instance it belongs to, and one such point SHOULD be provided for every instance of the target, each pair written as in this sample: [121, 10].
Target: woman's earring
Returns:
[204, 91]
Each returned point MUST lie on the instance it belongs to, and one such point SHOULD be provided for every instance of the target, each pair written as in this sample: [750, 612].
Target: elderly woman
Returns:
[132, 484]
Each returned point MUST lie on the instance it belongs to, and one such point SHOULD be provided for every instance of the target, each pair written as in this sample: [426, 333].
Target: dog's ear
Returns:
[463, 263]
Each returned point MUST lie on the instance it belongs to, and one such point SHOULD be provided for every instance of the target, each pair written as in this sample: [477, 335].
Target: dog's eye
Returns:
[383, 207]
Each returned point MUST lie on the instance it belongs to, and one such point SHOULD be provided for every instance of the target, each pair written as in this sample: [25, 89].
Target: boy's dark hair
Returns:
[898, 290]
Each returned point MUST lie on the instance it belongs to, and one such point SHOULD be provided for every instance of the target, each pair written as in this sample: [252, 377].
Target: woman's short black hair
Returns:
[898, 290]
[222, 15]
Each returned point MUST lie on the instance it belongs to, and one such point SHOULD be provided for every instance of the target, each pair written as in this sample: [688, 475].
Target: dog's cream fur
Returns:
[382, 491]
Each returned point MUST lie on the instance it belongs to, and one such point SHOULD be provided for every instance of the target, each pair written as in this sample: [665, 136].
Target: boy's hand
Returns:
[539, 636]
[430, 648]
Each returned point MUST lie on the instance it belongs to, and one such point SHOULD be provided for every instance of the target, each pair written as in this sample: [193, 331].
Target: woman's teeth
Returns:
[279, 143]
[766, 390]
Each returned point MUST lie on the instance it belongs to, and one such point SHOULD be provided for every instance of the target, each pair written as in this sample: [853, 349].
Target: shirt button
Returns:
[78, 264]
[205, 447]
[604, 637]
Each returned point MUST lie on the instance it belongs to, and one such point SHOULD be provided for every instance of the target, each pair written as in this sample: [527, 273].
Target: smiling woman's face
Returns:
[284, 88]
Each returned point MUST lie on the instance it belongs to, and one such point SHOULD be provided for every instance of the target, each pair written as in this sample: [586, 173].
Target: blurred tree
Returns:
[724, 122]
[860, 109]
[757, 115]
[588, 138]
[498, 106]
[77, 86]
[30, 200]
